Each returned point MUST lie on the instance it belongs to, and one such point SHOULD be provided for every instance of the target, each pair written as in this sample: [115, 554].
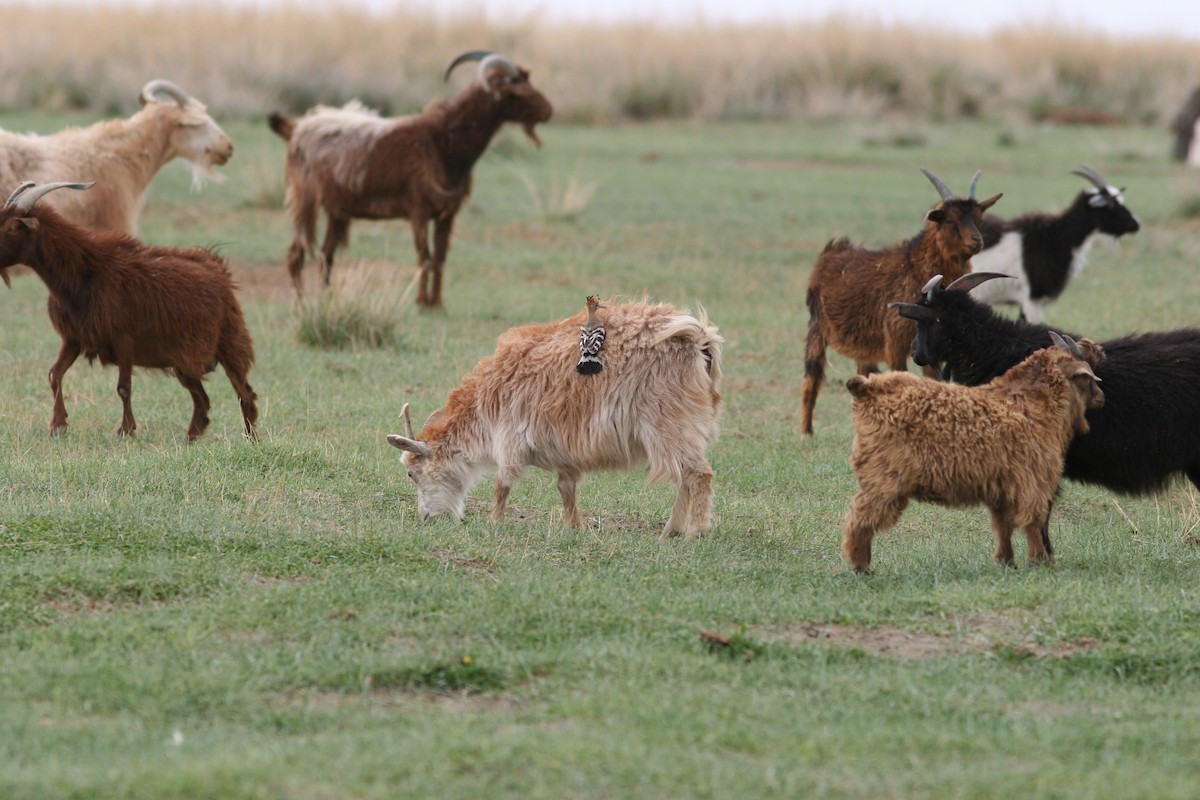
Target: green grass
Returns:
[238, 620]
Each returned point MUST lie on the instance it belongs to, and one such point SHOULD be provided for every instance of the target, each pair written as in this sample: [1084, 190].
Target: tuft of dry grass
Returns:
[248, 60]
[360, 308]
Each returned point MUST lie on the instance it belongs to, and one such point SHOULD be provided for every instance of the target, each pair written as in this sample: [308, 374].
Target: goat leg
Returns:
[66, 357]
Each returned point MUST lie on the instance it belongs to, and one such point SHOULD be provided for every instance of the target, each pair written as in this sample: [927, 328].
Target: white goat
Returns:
[121, 155]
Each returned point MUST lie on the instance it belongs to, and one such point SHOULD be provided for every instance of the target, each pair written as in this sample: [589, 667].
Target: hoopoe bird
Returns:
[591, 340]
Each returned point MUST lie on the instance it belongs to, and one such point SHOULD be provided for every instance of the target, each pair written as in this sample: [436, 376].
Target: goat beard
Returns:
[532, 134]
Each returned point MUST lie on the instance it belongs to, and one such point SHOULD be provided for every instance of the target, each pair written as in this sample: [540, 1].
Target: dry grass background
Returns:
[246, 60]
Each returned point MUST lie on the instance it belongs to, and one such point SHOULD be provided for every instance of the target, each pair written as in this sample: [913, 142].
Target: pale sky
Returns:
[1115, 17]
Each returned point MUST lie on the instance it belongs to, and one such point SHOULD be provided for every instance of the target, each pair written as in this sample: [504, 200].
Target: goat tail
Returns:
[284, 126]
[858, 386]
[707, 340]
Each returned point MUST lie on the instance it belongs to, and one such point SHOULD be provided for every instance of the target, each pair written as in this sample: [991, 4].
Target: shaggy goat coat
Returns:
[115, 299]
[1000, 445]
[656, 400]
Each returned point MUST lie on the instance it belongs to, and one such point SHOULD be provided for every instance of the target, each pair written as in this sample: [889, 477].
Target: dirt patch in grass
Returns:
[451, 559]
[983, 633]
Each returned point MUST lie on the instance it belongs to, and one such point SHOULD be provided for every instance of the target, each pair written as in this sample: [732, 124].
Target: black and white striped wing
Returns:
[591, 342]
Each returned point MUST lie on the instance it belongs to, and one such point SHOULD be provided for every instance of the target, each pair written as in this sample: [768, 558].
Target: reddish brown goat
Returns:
[129, 304]
[355, 164]
[850, 288]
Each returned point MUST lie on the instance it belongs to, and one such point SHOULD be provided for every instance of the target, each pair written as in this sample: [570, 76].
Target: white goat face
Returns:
[442, 479]
[200, 140]
[441, 488]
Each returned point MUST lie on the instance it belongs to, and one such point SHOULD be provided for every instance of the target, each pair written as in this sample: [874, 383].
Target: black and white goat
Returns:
[1149, 428]
[1044, 251]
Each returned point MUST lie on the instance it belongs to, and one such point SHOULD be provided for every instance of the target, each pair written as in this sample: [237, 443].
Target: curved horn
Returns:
[1067, 344]
[942, 188]
[469, 55]
[931, 284]
[972, 279]
[408, 431]
[974, 180]
[1089, 174]
[169, 88]
[17, 192]
[28, 196]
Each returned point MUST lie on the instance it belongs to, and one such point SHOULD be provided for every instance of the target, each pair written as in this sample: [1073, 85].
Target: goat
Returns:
[121, 155]
[1149, 430]
[1000, 445]
[1044, 251]
[850, 287]
[130, 304]
[657, 399]
[355, 164]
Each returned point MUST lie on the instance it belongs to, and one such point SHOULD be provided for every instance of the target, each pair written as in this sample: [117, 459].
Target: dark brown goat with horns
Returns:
[130, 304]
[851, 286]
[355, 164]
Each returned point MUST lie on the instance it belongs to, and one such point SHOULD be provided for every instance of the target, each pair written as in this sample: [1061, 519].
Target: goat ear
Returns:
[914, 311]
[4, 275]
[986, 204]
[408, 445]
[935, 214]
[30, 224]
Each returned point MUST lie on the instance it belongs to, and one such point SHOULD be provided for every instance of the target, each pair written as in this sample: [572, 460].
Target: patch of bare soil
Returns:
[982, 633]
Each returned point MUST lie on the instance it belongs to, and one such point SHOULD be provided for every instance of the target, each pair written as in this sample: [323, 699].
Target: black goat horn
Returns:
[972, 279]
[1090, 175]
[1067, 344]
[942, 188]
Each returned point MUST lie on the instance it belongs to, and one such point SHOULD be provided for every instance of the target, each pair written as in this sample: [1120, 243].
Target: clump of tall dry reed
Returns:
[247, 60]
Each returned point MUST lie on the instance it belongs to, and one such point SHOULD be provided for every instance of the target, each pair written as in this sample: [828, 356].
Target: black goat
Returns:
[1044, 251]
[1149, 428]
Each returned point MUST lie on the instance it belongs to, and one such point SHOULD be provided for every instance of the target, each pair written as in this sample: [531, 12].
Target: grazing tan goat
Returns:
[850, 288]
[129, 304]
[657, 399]
[1001, 445]
[355, 164]
[121, 156]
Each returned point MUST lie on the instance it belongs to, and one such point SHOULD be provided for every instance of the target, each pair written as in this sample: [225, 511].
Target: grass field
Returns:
[238, 620]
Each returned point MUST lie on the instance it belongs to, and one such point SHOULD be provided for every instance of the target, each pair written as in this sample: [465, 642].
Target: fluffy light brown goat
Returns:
[129, 304]
[657, 399]
[121, 156]
[355, 164]
[850, 288]
[1001, 445]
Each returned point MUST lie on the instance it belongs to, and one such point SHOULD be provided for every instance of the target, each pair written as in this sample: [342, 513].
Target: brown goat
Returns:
[355, 164]
[850, 288]
[1001, 445]
[129, 304]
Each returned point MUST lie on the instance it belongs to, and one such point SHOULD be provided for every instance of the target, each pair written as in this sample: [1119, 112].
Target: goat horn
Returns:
[942, 188]
[487, 62]
[169, 88]
[1090, 175]
[974, 180]
[914, 312]
[17, 192]
[470, 55]
[408, 431]
[1066, 344]
[931, 284]
[27, 196]
[972, 279]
